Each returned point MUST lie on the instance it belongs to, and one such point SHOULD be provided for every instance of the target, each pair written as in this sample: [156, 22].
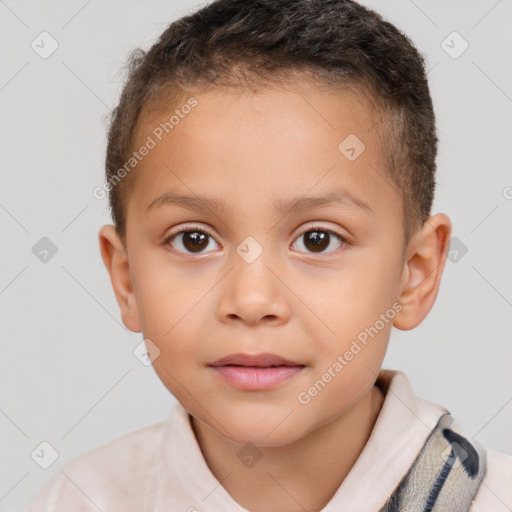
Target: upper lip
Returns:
[262, 360]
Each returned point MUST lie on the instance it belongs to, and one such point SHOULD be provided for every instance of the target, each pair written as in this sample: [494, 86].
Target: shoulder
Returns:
[110, 475]
[495, 492]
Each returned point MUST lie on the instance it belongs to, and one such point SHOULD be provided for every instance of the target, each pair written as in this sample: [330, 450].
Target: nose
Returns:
[253, 294]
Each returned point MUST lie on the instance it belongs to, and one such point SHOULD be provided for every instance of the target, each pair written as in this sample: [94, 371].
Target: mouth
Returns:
[264, 360]
[255, 372]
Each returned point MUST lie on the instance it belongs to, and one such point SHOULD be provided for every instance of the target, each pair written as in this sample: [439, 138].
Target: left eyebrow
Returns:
[337, 197]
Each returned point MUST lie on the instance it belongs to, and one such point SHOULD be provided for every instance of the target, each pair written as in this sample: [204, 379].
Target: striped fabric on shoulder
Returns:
[446, 474]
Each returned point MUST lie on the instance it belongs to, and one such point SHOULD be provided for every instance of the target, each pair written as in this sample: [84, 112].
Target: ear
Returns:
[115, 259]
[421, 277]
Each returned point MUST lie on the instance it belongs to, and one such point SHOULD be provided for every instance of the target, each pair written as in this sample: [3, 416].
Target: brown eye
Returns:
[316, 240]
[192, 241]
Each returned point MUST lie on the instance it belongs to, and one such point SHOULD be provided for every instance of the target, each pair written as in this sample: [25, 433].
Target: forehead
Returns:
[250, 149]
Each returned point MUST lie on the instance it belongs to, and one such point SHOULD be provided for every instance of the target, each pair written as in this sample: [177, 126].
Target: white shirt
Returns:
[161, 467]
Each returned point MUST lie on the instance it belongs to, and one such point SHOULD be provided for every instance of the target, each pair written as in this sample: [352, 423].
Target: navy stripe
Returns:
[438, 485]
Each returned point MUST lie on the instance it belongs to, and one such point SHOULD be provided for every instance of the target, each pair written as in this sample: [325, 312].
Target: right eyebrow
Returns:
[189, 202]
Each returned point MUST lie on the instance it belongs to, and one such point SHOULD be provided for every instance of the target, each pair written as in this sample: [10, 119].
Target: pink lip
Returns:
[255, 372]
[262, 360]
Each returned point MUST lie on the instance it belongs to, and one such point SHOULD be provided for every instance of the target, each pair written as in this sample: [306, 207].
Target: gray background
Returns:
[68, 375]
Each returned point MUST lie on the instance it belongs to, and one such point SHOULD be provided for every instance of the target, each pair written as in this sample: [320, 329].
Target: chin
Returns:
[268, 431]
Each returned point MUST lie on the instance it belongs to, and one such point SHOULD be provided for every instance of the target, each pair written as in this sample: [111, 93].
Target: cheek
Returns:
[172, 308]
[166, 296]
[179, 361]
[369, 285]
[356, 312]
[341, 392]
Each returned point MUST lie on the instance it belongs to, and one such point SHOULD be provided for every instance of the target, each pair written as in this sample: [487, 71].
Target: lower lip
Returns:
[256, 379]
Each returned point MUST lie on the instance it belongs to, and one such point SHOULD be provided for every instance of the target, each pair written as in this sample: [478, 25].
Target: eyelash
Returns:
[191, 228]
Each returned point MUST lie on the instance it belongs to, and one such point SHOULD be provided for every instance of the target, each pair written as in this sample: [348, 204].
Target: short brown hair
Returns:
[251, 43]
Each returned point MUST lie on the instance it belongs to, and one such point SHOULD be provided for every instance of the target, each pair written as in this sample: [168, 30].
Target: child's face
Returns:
[199, 299]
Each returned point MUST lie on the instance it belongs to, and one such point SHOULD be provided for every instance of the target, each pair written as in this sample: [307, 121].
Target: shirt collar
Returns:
[402, 427]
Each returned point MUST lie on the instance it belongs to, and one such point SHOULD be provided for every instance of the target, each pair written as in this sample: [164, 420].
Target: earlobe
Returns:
[422, 272]
[116, 262]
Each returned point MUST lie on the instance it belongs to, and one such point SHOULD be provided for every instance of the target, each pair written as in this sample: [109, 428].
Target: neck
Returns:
[305, 473]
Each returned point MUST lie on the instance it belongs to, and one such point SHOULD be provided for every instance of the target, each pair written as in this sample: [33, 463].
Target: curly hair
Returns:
[256, 43]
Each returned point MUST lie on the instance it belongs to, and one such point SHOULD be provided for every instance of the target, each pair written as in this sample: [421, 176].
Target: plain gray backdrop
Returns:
[68, 374]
